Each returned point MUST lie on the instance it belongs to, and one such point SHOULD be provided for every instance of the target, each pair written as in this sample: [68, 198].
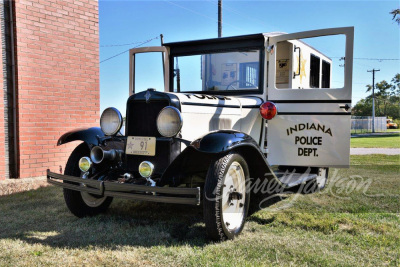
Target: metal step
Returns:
[291, 179]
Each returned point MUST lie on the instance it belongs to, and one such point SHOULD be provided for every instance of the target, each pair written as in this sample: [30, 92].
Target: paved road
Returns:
[366, 151]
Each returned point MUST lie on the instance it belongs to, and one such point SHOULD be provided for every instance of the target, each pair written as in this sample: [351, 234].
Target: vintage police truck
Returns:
[233, 111]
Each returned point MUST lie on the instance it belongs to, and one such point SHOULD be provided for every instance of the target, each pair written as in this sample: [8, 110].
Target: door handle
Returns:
[294, 73]
[346, 107]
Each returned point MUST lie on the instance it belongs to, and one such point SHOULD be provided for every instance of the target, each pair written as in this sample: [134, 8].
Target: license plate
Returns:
[141, 145]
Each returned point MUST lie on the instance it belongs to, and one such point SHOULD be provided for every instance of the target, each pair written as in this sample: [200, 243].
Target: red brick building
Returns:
[49, 82]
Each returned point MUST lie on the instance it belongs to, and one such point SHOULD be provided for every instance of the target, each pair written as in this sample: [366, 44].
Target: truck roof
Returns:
[225, 43]
[256, 36]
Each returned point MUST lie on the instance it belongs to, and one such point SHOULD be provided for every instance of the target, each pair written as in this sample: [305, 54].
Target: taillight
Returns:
[268, 110]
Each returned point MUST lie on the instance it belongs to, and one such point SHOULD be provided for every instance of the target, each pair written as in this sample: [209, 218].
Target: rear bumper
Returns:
[176, 195]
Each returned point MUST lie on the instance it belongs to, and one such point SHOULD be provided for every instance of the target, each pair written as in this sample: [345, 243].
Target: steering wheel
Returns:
[238, 81]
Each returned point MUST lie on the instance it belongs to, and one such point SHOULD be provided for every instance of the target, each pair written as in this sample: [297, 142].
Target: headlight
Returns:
[111, 121]
[146, 169]
[85, 164]
[169, 121]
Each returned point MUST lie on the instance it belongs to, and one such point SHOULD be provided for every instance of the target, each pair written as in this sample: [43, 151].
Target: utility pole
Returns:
[373, 98]
[219, 18]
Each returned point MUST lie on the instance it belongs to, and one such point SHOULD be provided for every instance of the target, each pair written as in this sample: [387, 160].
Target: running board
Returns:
[291, 179]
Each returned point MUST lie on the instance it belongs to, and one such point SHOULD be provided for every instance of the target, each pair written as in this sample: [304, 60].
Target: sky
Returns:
[131, 22]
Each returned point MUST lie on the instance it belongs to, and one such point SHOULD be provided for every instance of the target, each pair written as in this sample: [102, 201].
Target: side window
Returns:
[314, 71]
[326, 74]
[187, 73]
[310, 63]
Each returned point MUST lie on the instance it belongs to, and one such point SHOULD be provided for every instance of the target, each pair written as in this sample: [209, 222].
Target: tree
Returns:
[363, 107]
[387, 99]
[396, 13]
[382, 88]
[381, 94]
[396, 85]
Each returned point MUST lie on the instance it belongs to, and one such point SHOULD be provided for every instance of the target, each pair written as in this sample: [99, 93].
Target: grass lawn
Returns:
[385, 141]
[327, 228]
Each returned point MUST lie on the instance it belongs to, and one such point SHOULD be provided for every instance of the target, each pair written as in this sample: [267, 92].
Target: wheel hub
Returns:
[233, 197]
[91, 200]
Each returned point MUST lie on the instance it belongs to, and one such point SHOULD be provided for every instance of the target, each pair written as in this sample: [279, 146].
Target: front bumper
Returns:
[176, 195]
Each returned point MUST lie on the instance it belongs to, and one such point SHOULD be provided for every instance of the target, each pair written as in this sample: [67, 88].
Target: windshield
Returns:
[217, 72]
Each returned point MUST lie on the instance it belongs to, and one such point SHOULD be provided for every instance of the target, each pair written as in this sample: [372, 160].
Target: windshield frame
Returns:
[190, 48]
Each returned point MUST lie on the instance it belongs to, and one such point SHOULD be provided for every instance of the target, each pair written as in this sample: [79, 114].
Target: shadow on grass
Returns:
[41, 216]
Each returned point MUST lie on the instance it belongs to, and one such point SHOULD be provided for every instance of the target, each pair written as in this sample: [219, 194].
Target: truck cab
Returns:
[231, 112]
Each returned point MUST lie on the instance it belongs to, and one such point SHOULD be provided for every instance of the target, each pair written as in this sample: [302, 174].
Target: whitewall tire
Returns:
[226, 198]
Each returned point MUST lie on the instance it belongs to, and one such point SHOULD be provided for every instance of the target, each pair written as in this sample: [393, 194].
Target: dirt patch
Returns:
[11, 186]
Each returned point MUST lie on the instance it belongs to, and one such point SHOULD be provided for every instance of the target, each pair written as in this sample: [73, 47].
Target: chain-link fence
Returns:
[363, 124]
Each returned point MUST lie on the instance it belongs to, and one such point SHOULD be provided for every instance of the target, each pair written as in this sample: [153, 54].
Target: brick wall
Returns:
[58, 78]
[3, 164]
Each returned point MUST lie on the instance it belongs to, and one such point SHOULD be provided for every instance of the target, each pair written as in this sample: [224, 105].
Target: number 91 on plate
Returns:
[141, 145]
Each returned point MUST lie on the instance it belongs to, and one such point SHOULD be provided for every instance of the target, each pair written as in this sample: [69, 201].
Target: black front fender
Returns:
[198, 156]
[89, 136]
[223, 141]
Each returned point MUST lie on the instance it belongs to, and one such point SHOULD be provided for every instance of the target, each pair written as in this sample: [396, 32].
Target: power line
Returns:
[365, 58]
[363, 64]
[379, 59]
[123, 52]
[113, 45]
[234, 11]
[201, 14]
[353, 82]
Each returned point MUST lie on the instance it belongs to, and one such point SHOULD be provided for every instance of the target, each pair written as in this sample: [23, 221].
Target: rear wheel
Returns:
[82, 204]
[226, 200]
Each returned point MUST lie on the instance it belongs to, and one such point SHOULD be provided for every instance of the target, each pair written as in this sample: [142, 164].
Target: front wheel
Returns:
[226, 198]
[82, 204]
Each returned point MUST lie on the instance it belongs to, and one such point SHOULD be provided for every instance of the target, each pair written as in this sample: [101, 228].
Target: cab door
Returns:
[312, 126]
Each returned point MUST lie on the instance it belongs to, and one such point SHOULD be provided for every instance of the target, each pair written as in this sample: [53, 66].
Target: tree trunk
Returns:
[385, 104]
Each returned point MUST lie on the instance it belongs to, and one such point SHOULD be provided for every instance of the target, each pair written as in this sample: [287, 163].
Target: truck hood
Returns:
[191, 103]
